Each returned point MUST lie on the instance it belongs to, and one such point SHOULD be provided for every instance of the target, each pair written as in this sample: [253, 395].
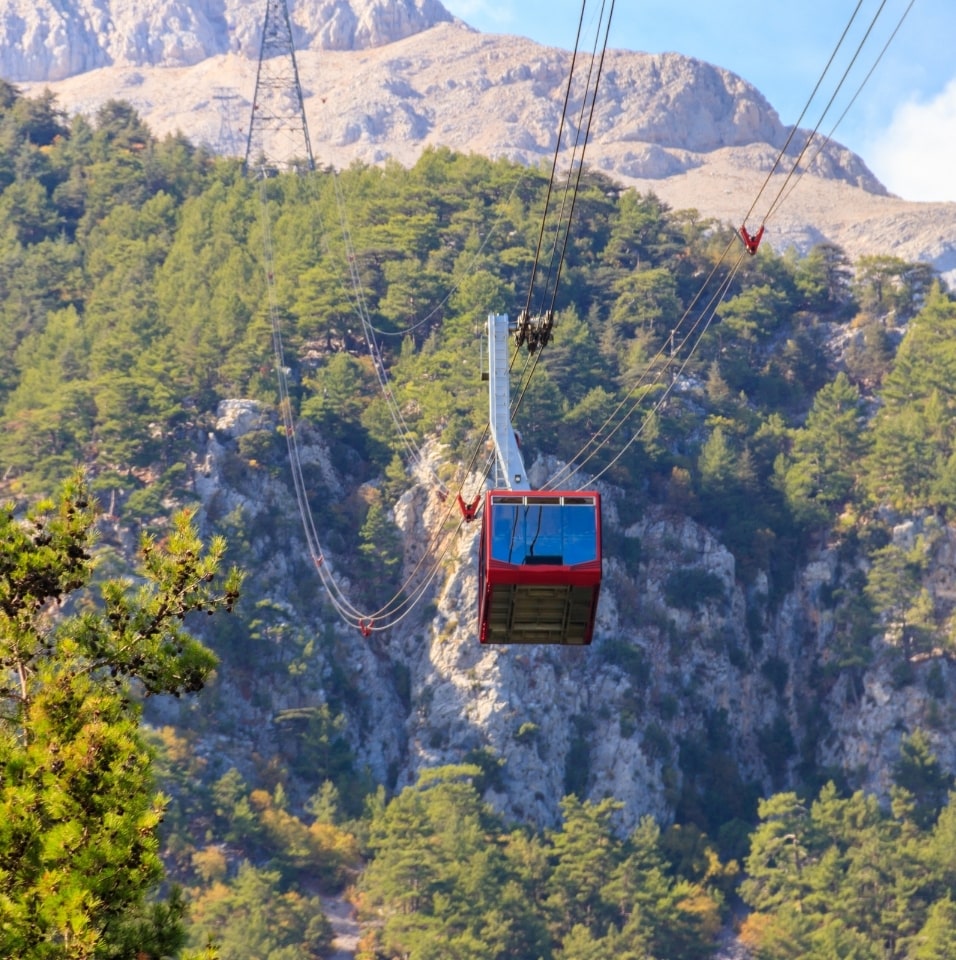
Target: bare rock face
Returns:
[47, 40]
[361, 24]
[673, 692]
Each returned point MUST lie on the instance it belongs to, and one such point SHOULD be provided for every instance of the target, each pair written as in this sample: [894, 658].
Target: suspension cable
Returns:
[400, 605]
[675, 341]
[826, 110]
[866, 79]
[590, 94]
[362, 312]
[722, 293]
[600, 439]
[796, 126]
[554, 162]
[571, 188]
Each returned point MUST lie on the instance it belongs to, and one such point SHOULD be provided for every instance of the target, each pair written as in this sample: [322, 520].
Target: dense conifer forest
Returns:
[133, 298]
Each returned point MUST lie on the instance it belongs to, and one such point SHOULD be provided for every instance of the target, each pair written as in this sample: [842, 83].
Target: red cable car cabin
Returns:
[539, 569]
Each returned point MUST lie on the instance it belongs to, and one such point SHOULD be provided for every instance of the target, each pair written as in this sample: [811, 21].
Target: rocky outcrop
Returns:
[361, 24]
[715, 689]
[44, 40]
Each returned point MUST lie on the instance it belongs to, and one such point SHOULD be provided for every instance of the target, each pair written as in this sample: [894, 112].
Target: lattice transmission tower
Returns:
[278, 133]
[229, 142]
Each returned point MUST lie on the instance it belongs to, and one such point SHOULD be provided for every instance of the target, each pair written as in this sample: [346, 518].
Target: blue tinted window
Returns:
[543, 533]
[507, 536]
[580, 533]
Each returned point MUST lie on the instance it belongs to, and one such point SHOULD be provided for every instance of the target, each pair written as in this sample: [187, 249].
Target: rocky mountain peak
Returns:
[386, 79]
[48, 40]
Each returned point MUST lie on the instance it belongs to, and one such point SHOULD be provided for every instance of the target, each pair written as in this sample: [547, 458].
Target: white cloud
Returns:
[916, 155]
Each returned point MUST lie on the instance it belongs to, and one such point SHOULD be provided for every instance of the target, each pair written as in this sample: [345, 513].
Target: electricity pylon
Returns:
[278, 134]
[228, 143]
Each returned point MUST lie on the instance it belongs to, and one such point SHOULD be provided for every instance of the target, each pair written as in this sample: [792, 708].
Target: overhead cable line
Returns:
[586, 139]
[471, 507]
[796, 126]
[829, 137]
[404, 433]
[704, 325]
[752, 242]
[600, 438]
[670, 351]
[826, 110]
[536, 332]
[401, 603]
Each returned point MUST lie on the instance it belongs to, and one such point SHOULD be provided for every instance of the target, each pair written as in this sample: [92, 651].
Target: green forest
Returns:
[814, 406]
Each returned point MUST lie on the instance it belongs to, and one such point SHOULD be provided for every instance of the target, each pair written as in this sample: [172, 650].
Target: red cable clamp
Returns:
[365, 626]
[469, 510]
[751, 242]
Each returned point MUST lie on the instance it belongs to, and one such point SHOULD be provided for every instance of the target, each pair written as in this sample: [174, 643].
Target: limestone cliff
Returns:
[725, 697]
[44, 40]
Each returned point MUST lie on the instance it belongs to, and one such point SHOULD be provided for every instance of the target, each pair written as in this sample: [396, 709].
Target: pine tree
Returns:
[921, 775]
[78, 808]
[827, 452]
[937, 939]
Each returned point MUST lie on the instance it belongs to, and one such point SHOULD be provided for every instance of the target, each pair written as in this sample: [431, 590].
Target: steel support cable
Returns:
[776, 201]
[670, 387]
[603, 435]
[795, 127]
[527, 374]
[567, 473]
[285, 403]
[336, 595]
[597, 438]
[554, 162]
[587, 137]
[774, 206]
[725, 287]
[355, 296]
[370, 329]
[393, 616]
[400, 604]
[575, 466]
[580, 128]
[829, 136]
[412, 450]
[396, 603]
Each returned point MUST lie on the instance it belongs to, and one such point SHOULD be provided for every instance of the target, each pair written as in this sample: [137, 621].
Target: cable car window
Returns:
[580, 533]
[544, 532]
[507, 537]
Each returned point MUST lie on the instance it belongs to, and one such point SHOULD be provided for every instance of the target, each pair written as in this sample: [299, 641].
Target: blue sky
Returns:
[903, 123]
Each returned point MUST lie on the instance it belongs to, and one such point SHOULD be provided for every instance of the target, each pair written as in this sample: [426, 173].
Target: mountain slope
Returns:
[694, 134]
